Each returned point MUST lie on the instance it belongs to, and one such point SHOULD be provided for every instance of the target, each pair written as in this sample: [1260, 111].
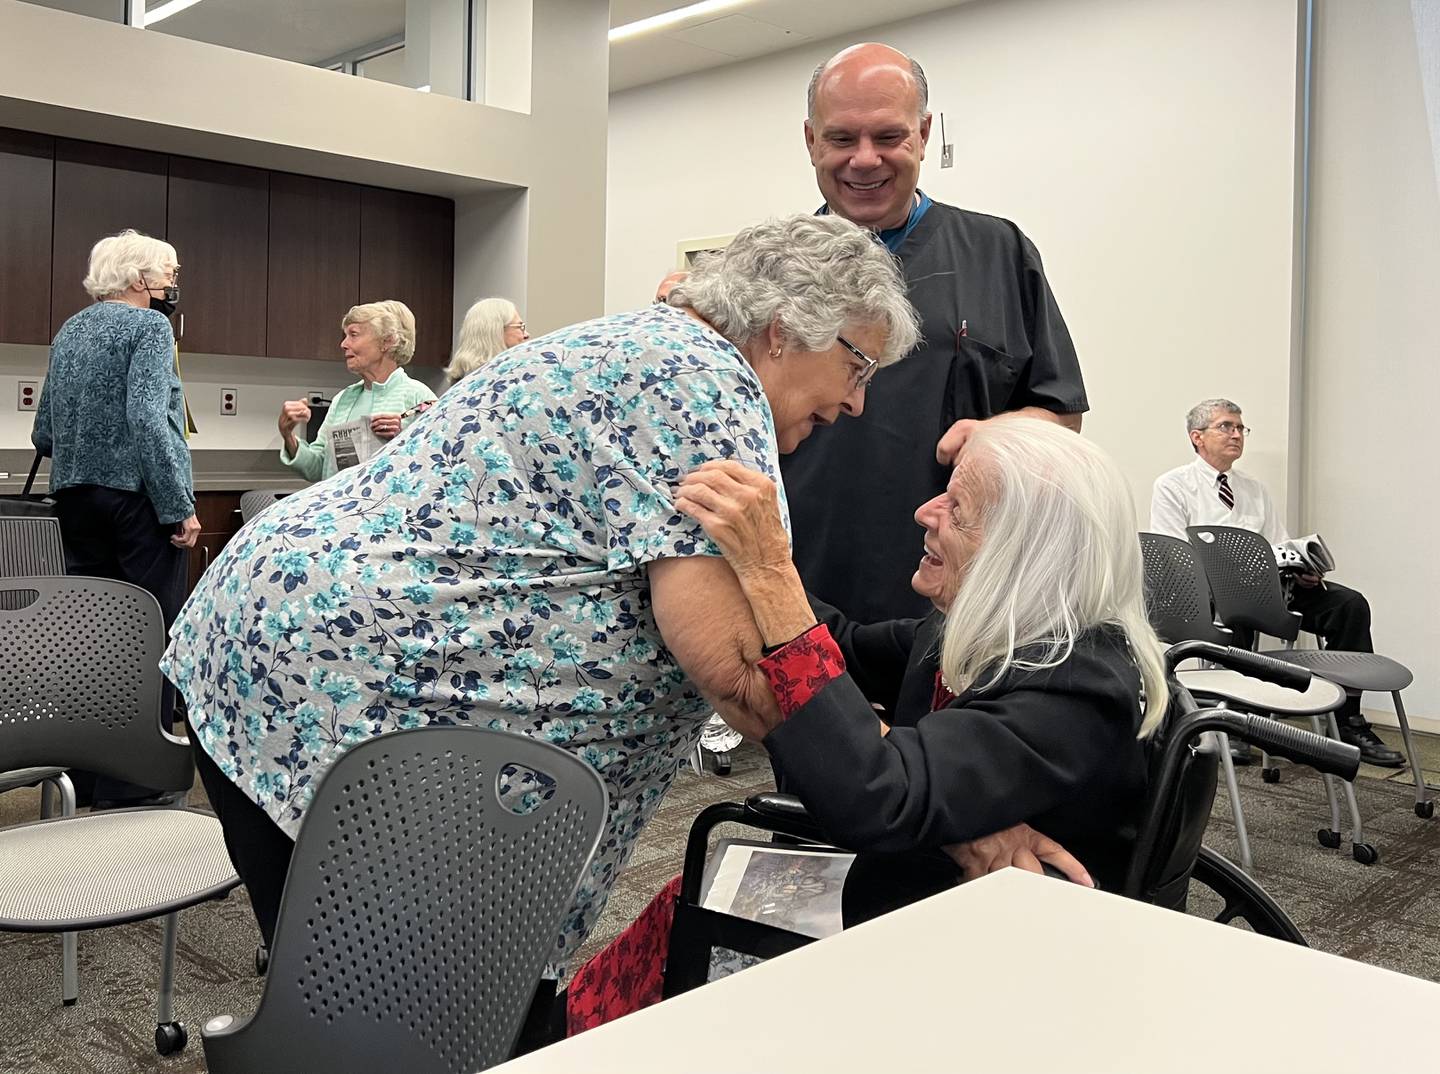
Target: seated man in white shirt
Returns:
[1210, 491]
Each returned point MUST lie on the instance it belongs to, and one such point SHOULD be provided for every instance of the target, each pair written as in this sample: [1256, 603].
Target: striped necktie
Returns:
[1227, 497]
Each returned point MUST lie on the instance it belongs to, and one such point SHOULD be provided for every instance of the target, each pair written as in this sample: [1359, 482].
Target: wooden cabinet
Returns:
[314, 261]
[27, 184]
[219, 515]
[218, 220]
[407, 252]
[99, 190]
[270, 262]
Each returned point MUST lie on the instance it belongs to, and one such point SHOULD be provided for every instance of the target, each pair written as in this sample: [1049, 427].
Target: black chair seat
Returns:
[1353, 671]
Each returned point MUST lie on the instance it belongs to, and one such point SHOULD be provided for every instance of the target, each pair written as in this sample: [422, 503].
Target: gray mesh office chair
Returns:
[1245, 582]
[80, 687]
[31, 545]
[419, 910]
[256, 500]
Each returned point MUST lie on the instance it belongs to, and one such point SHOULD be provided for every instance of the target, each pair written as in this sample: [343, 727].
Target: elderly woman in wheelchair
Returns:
[1019, 706]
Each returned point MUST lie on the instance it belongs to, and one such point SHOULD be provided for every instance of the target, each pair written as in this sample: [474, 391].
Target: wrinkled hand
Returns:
[740, 511]
[292, 413]
[385, 426]
[186, 532]
[954, 440]
[1021, 846]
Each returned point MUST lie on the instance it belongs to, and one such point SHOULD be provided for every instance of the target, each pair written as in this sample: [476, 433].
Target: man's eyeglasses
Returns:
[1229, 428]
[864, 374]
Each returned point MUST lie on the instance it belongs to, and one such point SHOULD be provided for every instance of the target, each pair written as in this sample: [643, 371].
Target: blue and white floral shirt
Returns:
[486, 568]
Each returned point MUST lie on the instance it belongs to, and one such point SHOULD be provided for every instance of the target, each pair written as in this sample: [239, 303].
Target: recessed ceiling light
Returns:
[164, 11]
[668, 18]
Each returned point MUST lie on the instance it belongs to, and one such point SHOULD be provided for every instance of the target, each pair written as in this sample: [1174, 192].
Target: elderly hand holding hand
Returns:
[740, 511]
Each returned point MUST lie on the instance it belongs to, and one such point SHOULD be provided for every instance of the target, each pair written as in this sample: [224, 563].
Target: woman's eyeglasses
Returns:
[868, 366]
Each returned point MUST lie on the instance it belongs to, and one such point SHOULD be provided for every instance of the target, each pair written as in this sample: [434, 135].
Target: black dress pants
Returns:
[113, 533]
[1342, 617]
[259, 849]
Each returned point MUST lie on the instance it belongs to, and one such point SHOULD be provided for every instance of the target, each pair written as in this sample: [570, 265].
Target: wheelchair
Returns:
[1169, 860]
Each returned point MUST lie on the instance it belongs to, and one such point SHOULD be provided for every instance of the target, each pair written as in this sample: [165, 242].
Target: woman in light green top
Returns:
[379, 339]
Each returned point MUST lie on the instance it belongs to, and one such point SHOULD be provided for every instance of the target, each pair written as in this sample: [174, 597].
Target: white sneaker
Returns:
[718, 736]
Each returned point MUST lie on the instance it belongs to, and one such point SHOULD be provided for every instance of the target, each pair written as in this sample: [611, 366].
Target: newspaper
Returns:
[350, 444]
[793, 888]
[1305, 555]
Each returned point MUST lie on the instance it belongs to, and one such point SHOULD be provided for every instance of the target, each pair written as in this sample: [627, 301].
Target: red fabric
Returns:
[799, 670]
[627, 975]
[942, 695]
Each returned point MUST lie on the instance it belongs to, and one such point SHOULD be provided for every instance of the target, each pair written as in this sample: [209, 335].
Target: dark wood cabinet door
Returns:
[219, 223]
[99, 190]
[314, 264]
[407, 252]
[27, 184]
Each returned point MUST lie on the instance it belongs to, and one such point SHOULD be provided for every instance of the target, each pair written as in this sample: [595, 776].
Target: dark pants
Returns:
[1342, 617]
[259, 849]
[112, 533]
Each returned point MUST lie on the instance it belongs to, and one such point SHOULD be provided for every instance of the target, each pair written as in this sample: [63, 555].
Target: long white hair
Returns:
[482, 336]
[1059, 554]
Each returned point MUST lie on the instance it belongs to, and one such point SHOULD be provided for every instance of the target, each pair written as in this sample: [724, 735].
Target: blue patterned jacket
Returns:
[112, 411]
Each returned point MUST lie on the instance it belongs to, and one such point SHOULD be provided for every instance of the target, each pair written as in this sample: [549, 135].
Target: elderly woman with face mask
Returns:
[515, 559]
[378, 340]
[1017, 707]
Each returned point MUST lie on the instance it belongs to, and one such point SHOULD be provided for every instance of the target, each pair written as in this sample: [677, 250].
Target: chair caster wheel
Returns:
[1364, 853]
[262, 959]
[1270, 775]
[170, 1037]
[1328, 838]
[1425, 809]
[722, 763]
[70, 1002]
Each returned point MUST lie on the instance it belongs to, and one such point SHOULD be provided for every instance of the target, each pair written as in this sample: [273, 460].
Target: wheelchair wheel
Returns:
[1241, 898]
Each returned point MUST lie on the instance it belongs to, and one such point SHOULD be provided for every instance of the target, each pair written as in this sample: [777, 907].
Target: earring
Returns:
[775, 353]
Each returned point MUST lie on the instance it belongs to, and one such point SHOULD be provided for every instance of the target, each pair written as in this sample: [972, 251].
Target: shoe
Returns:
[1372, 747]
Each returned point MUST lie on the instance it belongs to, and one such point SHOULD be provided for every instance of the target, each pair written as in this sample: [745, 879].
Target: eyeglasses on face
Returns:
[1229, 428]
[866, 372]
[516, 324]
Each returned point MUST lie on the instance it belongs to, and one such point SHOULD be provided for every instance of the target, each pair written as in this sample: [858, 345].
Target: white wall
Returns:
[1373, 379]
[1147, 146]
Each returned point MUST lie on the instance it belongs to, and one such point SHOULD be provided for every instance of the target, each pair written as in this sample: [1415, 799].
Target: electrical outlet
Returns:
[947, 156]
[28, 396]
[317, 395]
[229, 402]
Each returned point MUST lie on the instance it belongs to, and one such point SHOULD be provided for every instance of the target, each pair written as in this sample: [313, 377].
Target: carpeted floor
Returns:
[1387, 914]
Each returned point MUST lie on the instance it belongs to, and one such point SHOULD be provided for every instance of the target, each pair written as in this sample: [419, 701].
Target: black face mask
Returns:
[167, 304]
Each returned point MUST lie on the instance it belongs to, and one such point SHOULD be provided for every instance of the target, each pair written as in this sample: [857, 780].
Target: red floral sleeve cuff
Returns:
[799, 669]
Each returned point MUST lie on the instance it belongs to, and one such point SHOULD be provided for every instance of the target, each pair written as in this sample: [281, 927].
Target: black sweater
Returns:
[1054, 748]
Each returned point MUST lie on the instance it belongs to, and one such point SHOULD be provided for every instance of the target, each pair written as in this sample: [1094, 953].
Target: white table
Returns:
[1017, 972]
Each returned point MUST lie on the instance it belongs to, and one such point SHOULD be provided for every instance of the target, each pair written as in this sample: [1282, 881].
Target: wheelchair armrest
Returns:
[782, 813]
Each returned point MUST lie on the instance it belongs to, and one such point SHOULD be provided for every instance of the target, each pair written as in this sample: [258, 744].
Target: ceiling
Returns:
[310, 31]
[742, 32]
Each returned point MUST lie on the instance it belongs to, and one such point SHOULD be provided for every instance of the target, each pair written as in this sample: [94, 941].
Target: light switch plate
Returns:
[28, 395]
[229, 402]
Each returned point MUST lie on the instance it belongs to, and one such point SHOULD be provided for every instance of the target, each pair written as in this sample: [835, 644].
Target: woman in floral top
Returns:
[515, 560]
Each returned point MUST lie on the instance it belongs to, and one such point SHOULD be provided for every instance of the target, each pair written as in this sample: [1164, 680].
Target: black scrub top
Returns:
[993, 341]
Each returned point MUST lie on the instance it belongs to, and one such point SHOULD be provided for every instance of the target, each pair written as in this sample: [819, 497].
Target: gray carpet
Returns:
[1387, 914]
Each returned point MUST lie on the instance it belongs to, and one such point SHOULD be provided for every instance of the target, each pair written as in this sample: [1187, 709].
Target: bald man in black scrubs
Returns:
[994, 341]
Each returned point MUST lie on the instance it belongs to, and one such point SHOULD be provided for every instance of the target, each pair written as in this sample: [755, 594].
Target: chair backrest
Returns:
[1244, 580]
[1177, 597]
[1177, 811]
[80, 682]
[256, 500]
[420, 910]
[29, 545]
